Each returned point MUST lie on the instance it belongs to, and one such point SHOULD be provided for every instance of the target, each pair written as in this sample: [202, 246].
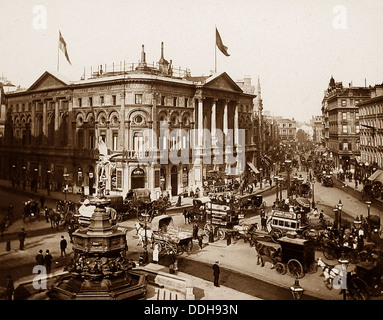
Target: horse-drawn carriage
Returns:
[163, 234]
[31, 210]
[371, 190]
[327, 181]
[293, 255]
[220, 219]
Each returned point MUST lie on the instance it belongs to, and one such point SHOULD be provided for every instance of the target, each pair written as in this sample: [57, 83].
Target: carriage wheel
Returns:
[208, 229]
[357, 289]
[170, 247]
[276, 234]
[280, 268]
[295, 269]
[221, 234]
[329, 252]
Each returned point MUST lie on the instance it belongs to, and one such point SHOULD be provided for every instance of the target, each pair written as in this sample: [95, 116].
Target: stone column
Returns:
[71, 122]
[33, 122]
[57, 122]
[213, 123]
[121, 135]
[225, 117]
[200, 123]
[45, 125]
[236, 123]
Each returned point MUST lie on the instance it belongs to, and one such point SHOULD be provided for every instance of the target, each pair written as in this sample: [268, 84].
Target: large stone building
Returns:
[317, 125]
[371, 129]
[143, 114]
[341, 122]
[287, 130]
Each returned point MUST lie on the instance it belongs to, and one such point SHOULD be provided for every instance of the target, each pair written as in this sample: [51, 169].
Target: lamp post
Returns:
[280, 179]
[313, 199]
[344, 263]
[368, 220]
[145, 253]
[288, 164]
[66, 176]
[24, 176]
[276, 184]
[340, 206]
[48, 176]
[296, 290]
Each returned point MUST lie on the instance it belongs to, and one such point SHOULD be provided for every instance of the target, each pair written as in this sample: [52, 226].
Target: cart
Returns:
[168, 238]
[220, 220]
[294, 255]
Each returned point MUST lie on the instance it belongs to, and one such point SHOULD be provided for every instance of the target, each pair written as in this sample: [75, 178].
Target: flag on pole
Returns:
[219, 43]
[62, 46]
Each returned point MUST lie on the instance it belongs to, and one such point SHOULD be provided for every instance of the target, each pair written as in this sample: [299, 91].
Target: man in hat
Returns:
[22, 235]
[216, 272]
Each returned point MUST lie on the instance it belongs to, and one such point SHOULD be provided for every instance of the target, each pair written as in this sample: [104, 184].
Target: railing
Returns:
[126, 68]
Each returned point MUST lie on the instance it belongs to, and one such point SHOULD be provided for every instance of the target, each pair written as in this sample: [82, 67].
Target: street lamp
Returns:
[144, 256]
[296, 290]
[313, 199]
[368, 219]
[276, 184]
[66, 176]
[280, 179]
[48, 175]
[340, 206]
[288, 163]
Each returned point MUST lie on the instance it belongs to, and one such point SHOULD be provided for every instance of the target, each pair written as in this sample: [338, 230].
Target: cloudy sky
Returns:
[294, 46]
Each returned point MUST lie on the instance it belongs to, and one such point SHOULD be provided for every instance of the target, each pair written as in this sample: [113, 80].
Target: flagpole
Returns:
[58, 56]
[215, 50]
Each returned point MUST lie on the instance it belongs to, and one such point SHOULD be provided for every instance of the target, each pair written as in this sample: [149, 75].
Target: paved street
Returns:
[240, 271]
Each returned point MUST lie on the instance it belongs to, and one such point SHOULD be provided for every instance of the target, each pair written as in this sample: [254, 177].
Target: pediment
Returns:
[222, 82]
[47, 81]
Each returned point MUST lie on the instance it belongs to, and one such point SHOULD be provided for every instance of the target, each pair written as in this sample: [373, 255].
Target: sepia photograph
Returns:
[192, 155]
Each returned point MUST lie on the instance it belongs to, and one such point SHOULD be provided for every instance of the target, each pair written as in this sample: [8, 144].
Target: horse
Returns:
[266, 253]
[329, 272]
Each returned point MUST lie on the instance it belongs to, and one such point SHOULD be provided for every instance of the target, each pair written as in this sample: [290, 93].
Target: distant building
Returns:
[341, 122]
[317, 125]
[287, 130]
[53, 129]
[371, 129]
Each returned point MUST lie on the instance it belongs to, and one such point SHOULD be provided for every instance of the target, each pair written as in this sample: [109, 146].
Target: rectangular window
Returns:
[115, 141]
[344, 130]
[162, 100]
[138, 98]
[357, 129]
[92, 140]
[90, 101]
[102, 101]
[80, 139]
[138, 143]
[186, 102]
[119, 179]
[80, 102]
[114, 100]
[345, 146]
[344, 115]
[344, 103]
[175, 102]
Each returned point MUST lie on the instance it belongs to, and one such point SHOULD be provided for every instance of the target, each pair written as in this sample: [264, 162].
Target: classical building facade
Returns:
[317, 125]
[341, 122]
[371, 129]
[160, 126]
[287, 130]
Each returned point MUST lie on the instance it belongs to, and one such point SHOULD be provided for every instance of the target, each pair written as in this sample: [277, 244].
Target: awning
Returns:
[252, 167]
[376, 176]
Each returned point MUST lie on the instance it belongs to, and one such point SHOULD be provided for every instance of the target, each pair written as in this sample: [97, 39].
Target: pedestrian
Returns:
[2, 228]
[195, 231]
[8, 246]
[216, 272]
[9, 288]
[10, 211]
[185, 213]
[321, 215]
[46, 214]
[70, 232]
[22, 235]
[200, 241]
[63, 246]
[42, 201]
[155, 253]
[172, 260]
[40, 258]
[356, 184]
[48, 261]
